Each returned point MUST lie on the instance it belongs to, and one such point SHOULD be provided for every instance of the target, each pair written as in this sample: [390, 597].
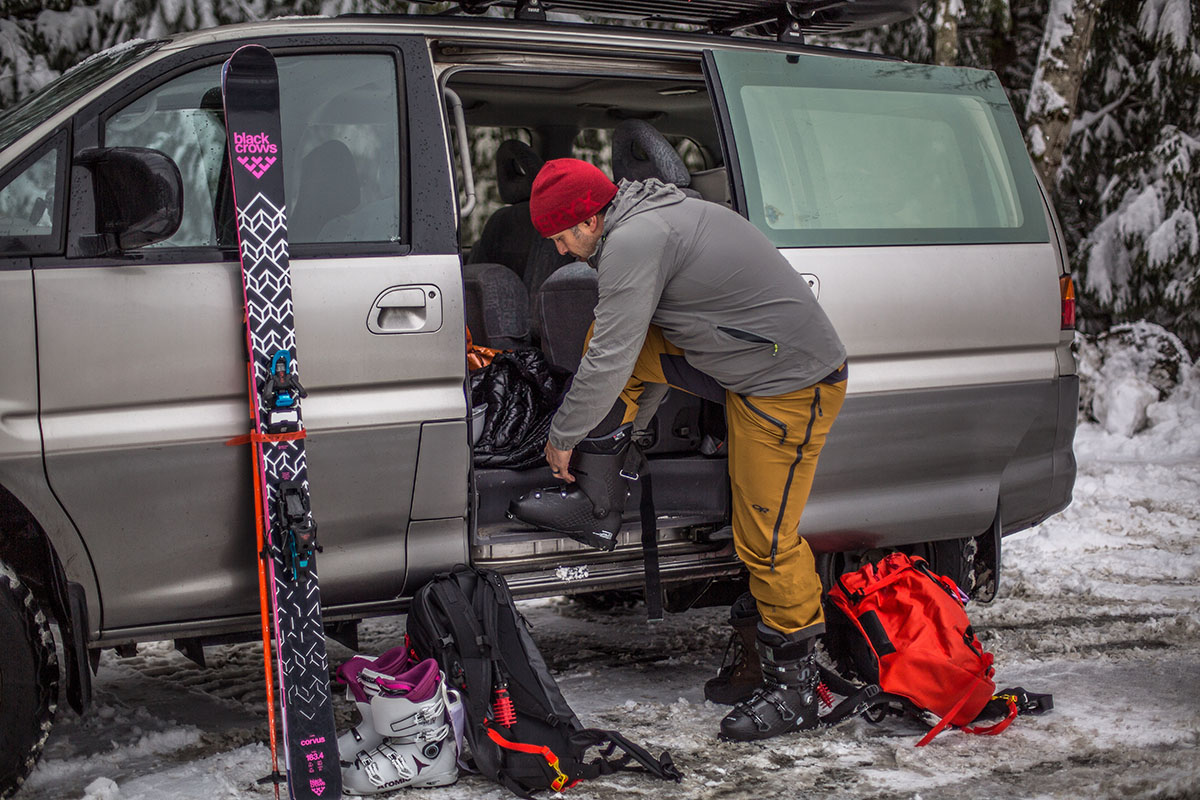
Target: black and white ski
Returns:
[250, 85]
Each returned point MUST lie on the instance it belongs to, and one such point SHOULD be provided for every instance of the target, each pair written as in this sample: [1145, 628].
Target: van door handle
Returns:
[813, 282]
[406, 309]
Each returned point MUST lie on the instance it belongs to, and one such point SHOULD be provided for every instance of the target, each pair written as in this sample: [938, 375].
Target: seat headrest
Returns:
[329, 187]
[516, 166]
[639, 152]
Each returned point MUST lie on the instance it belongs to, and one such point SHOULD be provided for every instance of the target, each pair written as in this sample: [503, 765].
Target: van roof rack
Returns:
[787, 20]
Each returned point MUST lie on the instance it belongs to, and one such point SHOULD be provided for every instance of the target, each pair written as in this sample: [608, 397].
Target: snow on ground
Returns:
[1098, 606]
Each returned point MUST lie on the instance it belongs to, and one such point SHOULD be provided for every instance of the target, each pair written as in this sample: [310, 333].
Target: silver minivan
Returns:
[902, 192]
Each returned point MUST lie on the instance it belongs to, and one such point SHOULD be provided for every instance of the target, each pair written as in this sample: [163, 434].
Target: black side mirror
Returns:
[138, 195]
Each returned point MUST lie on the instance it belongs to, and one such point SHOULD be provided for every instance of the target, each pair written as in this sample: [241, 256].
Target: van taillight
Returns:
[1066, 288]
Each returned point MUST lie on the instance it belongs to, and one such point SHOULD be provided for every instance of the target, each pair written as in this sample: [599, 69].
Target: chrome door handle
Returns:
[406, 309]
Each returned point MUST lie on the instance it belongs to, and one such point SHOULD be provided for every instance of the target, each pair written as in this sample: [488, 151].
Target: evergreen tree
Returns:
[1129, 192]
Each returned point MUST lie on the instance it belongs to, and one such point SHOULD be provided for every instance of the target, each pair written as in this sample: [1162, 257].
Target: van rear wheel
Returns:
[28, 681]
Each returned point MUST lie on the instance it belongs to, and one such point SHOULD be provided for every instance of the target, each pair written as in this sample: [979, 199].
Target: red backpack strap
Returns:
[560, 781]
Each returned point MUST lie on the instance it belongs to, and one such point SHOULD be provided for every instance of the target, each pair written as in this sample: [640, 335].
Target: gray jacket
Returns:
[716, 286]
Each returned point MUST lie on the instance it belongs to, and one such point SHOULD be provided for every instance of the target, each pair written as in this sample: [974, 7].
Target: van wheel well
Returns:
[27, 552]
[26, 549]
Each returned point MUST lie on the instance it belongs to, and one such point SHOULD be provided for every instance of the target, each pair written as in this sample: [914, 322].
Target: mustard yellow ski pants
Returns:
[773, 447]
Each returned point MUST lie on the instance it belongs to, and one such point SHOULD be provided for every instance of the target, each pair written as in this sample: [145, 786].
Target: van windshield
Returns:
[839, 151]
[69, 87]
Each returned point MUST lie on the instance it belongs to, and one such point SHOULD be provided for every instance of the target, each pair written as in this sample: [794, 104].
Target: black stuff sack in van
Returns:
[521, 731]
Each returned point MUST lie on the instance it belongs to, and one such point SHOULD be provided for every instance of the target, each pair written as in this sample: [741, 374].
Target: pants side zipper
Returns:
[813, 411]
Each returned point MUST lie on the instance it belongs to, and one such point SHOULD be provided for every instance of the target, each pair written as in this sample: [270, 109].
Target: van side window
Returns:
[839, 152]
[341, 148]
[29, 222]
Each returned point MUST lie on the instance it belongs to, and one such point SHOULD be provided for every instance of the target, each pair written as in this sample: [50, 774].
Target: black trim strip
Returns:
[733, 167]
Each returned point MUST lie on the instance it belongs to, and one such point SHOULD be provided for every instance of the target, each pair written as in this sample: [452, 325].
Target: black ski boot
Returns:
[740, 676]
[787, 700]
[589, 510]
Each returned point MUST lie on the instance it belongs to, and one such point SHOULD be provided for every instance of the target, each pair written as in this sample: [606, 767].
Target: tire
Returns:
[28, 681]
[954, 558]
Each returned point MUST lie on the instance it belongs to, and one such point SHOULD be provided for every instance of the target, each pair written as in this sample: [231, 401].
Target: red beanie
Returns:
[565, 192]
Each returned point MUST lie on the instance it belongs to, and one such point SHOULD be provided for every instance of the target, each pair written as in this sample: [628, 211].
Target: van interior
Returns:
[521, 293]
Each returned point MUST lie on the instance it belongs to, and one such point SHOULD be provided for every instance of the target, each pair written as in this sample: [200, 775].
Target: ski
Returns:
[250, 87]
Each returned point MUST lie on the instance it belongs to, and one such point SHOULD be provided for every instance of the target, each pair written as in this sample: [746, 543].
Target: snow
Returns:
[1166, 20]
[1044, 100]
[1098, 605]
[1175, 235]
[1141, 213]
[1037, 141]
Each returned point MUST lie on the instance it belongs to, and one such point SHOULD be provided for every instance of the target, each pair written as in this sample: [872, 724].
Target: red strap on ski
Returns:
[265, 438]
[560, 782]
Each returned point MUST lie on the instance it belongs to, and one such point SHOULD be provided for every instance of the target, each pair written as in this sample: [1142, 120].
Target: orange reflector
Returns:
[1066, 289]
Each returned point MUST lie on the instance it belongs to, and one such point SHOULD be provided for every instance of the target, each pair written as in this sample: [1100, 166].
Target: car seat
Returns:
[496, 306]
[639, 152]
[563, 310]
[509, 234]
[329, 188]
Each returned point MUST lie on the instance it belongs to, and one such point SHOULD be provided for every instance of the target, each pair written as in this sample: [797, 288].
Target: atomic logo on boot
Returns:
[255, 151]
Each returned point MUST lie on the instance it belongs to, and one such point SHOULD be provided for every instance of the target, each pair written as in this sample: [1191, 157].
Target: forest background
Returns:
[1107, 92]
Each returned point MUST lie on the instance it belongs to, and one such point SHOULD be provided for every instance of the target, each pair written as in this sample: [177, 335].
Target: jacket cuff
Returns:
[562, 444]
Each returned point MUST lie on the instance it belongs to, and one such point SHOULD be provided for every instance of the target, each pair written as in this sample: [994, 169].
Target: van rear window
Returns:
[842, 152]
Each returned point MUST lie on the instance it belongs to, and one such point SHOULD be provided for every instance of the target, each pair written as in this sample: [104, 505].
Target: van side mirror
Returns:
[138, 194]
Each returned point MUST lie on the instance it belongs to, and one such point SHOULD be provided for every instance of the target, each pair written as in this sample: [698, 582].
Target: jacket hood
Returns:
[635, 197]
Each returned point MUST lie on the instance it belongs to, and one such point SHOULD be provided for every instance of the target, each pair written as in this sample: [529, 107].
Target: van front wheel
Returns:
[28, 681]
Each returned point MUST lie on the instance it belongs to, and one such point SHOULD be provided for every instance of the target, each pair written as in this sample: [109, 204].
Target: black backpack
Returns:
[521, 731]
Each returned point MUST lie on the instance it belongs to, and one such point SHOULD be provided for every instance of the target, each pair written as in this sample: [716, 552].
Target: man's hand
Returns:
[559, 461]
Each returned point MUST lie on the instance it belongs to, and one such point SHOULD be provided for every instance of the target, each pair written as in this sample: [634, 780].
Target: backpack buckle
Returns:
[560, 782]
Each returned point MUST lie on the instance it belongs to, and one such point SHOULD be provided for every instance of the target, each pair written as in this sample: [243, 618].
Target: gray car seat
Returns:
[509, 234]
[496, 298]
[329, 188]
[496, 306]
[639, 152]
[563, 310]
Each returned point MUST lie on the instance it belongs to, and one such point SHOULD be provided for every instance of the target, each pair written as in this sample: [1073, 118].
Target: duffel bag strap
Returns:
[999, 727]
[944, 721]
[1018, 702]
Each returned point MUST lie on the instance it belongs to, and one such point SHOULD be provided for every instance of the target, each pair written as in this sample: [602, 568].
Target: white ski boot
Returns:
[360, 676]
[418, 746]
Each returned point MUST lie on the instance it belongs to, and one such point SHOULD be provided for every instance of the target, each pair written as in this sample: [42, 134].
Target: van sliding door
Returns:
[906, 192]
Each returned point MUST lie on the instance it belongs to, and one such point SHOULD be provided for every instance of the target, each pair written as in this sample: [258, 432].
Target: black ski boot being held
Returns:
[787, 700]
[740, 675]
[588, 510]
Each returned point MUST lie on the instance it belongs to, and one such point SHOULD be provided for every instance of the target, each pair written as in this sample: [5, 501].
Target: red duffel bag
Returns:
[919, 642]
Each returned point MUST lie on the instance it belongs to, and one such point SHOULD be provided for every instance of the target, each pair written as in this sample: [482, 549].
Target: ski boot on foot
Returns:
[787, 700]
[360, 676]
[589, 510]
[417, 741]
[740, 674]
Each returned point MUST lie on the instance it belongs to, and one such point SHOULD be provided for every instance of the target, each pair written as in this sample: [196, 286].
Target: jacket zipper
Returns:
[748, 336]
[777, 423]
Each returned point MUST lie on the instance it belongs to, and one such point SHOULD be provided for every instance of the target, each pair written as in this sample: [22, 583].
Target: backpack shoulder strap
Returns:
[633, 756]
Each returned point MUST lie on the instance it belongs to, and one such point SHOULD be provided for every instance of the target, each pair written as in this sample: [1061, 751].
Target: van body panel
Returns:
[950, 315]
[955, 407]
